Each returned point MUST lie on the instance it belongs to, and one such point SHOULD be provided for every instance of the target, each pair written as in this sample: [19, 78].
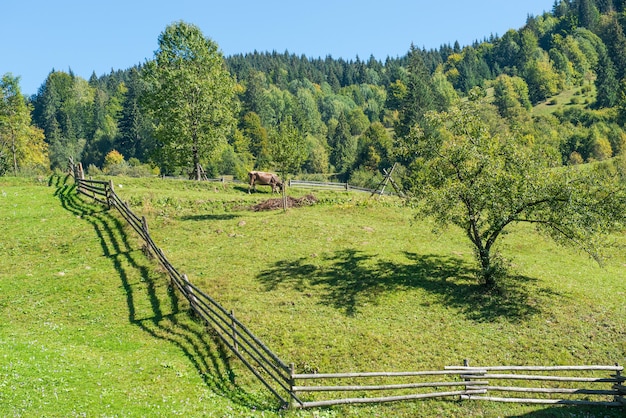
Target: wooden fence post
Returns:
[233, 326]
[109, 194]
[466, 364]
[191, 297]
[144, 227]
[292, 384]
[620, 386]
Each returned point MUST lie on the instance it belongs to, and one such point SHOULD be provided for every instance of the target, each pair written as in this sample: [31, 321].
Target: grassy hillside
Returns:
[575, 97]
[88, 325]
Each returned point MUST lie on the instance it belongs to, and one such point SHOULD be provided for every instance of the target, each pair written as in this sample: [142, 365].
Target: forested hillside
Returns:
[559, 82]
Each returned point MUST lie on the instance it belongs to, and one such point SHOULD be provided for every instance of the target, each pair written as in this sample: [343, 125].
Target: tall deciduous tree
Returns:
[482, 179]
[190, 96]
[21, 143]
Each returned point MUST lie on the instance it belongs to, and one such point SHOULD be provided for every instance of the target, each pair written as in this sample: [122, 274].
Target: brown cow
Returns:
[264, 179]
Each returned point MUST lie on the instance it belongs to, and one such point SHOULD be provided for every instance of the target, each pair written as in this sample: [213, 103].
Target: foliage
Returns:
[114, 157]
[577, 47]
[190, 96]
[473, 174]
[21, 144]
[343, 145]
[511, 97]
[63, 109]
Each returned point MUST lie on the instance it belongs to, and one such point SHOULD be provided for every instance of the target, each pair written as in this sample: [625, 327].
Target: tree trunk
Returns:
[196, 162]
[487, 270]
[14, 152]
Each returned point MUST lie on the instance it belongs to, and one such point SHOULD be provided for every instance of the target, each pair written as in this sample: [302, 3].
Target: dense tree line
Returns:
[351, 114]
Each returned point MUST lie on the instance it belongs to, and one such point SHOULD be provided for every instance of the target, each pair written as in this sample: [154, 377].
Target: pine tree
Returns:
[419, 97]
[343, 146]
[607, 85]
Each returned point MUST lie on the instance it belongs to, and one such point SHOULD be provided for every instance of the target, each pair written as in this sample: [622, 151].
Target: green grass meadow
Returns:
[90, 327]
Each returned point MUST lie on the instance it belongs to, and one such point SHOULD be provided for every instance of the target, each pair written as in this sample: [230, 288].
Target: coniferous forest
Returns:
[558, 83]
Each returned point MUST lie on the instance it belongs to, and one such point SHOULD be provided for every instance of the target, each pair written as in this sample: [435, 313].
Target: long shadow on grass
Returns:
[349, 279]
[152, 304]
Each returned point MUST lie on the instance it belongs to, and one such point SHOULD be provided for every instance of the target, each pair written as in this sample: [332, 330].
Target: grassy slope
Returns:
[574, 97]
[88, 328]
[346, 285]
[355, 285]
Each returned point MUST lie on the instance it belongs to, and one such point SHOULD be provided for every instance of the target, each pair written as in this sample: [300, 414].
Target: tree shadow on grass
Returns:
[153, 304]
[349, 279]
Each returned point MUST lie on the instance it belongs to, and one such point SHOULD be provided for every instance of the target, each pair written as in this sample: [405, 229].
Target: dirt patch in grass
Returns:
[277, 203]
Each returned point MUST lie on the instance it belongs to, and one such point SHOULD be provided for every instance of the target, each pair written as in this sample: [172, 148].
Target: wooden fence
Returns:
[271, 371]
[575, 381]
[280, 378]
[329, 186]
[581, 384]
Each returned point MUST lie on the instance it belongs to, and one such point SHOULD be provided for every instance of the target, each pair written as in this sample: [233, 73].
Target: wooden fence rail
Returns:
[474, 383]
[575, 381]
[470, 383]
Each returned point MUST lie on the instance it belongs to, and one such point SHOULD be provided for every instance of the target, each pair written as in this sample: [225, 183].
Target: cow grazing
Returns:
[264, 179]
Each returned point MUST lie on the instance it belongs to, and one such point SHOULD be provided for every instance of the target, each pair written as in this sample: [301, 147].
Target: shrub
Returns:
[575, 158]
[365, 178]
[114, 157]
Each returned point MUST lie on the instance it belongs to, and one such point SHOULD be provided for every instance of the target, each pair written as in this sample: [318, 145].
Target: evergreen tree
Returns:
[63, 109]
[343, 146]
[258, 138]
[588, 14]
[615, 40]
[419, 97]
[134, 139]
[607, 85]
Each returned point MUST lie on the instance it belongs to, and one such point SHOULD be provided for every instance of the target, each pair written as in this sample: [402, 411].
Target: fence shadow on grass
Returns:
[154, 306]
[348, 279]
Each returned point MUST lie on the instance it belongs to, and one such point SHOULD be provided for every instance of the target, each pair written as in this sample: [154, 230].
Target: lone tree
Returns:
[288, 150]
[469, 171]
[190, 97]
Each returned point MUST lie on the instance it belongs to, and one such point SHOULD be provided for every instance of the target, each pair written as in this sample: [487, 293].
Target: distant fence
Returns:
[581, 384]
[330, 186]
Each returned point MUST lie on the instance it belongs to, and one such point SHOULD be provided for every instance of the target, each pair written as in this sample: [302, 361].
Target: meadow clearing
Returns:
[89, 325]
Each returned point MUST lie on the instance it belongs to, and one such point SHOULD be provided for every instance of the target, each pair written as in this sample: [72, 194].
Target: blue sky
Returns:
[40, 35]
